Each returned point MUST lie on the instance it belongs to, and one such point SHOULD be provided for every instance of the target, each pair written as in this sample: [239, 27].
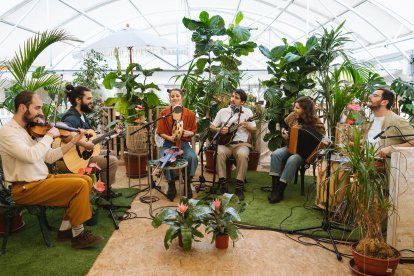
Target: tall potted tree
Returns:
[133, 93]
[214, 73]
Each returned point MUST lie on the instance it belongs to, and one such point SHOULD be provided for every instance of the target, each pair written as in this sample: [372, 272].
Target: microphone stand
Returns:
[151, 183]
[213, 188]
[108, 197]
[201, 178]
[396, 136]
[326, 224]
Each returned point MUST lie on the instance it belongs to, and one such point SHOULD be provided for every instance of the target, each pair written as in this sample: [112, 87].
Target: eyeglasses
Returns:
[375, 95]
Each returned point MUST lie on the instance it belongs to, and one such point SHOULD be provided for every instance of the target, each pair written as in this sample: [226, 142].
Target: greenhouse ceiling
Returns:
[382, 31]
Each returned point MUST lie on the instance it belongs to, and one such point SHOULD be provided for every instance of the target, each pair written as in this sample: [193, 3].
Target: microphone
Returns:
[382, 132]
[177, 109]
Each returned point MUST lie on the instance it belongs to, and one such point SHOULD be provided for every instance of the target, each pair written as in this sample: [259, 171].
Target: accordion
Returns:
[305, 141]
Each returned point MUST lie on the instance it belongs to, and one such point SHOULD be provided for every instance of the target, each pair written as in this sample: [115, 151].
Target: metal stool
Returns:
[178, 165]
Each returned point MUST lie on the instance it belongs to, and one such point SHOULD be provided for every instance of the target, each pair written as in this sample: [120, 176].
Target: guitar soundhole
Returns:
[86, 155]
[88, 135]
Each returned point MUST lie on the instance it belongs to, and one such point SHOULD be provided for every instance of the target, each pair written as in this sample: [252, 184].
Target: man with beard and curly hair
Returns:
[24, 163]
[304, 115]
[82, 103]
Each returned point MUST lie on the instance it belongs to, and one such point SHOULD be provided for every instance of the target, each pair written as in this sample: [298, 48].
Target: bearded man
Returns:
[81, 100]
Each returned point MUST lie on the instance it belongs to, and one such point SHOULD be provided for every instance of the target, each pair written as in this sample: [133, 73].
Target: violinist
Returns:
[24, 164]
[177, 130]
[81, 100]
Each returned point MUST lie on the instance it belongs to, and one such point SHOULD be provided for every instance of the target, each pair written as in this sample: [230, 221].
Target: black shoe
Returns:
[279, 194]
[223, 186]
[275, 185]
[239, 190]
[171, 192]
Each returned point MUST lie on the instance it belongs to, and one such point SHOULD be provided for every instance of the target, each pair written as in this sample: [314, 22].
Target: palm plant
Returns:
[22, 62]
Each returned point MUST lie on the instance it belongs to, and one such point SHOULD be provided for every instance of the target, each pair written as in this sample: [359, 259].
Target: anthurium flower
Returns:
[87, 170]
[182, 208]
[139, 107]
[94, 165]
[217, 204]
[99, 186]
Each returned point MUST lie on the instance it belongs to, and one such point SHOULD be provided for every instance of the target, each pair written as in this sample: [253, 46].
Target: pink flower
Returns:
[354, 106]
[99, 186]
[182, 208]
[85, 171]
[94, 165]
[217, 204]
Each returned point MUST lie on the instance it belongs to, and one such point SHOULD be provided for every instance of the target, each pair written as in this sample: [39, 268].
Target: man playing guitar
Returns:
[238, 147]
[82, 103]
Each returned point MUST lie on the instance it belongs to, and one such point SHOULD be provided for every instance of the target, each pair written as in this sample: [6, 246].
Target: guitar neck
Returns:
[101, 138]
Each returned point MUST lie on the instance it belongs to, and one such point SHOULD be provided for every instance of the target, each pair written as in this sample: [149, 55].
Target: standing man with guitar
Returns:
[303, 115]
[82, 103]
[237, 145]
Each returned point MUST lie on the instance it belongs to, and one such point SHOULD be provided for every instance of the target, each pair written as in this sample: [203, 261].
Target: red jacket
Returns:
[164, 126]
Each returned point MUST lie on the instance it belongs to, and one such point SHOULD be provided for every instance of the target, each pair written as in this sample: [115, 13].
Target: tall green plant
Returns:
[405, 91]
[93, 70]
[214, 73]
[290, 67]
[136, 93]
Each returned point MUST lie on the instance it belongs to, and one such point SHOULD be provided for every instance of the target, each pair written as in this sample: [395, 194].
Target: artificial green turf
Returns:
[27, 254]
[293, 213]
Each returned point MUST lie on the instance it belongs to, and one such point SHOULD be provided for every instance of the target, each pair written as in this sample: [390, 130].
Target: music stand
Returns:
[151, 183]
[326, 224]
[108, 196]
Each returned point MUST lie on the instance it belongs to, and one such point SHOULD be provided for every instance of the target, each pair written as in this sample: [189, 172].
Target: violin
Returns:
[170, 156]
[39, 129]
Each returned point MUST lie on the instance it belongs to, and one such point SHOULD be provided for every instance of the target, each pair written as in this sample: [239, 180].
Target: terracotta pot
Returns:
[209, 155]
[374, 266]
[17, 222]
[136, 164]
[254, 157]
[222, 241]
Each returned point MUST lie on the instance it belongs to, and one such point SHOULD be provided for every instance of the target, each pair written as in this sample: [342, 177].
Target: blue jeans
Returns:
[188, 155]
[292, 163]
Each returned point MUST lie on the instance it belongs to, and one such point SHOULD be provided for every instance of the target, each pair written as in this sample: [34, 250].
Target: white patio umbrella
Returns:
[135, 42]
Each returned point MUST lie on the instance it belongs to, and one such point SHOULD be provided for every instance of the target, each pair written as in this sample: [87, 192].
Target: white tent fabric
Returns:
[382, 30]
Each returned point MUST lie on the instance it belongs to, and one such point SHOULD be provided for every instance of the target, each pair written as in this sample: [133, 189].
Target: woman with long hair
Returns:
[303, 115]
[177, 130]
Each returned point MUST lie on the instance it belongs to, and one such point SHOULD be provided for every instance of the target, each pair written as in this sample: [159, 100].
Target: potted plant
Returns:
[221, 219]
[367, 196]
[133, 93]
[183, 222]
[97, 188]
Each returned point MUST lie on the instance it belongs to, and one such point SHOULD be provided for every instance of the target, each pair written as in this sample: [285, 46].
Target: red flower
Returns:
[217, 204]
[182, 208]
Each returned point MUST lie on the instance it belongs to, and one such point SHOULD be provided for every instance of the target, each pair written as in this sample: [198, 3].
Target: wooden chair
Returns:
[9, 209]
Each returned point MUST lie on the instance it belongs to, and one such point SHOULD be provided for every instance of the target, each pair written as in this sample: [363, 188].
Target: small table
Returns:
[179, 164]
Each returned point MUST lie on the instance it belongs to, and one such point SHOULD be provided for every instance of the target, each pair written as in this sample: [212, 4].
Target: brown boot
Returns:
[86, 239]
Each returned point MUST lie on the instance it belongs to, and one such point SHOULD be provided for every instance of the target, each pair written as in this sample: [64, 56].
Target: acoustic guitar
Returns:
[225, 139]
[78, 157]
